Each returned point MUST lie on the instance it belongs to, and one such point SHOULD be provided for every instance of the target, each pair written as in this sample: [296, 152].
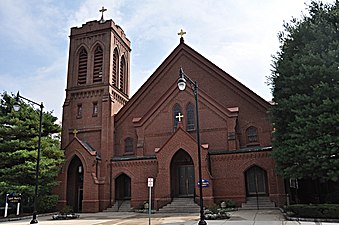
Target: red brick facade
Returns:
[113, 144]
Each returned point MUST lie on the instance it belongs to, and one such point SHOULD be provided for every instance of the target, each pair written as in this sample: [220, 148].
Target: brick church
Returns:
[113, 142]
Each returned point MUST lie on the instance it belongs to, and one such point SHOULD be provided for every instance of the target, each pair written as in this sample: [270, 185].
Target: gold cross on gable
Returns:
[75, 131]
[181, 33]
[179, 116]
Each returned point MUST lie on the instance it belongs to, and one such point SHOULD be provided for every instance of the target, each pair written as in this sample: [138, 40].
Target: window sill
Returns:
[253, 144]
[191, 130]
[129, 153]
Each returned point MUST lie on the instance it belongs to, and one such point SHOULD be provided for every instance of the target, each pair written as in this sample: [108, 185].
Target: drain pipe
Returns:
[110, 183]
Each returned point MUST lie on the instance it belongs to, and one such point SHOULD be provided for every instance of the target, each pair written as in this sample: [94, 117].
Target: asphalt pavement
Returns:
[241, 217]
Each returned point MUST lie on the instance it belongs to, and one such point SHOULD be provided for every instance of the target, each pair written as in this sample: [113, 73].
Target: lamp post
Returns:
[194, 85]
[16, 107]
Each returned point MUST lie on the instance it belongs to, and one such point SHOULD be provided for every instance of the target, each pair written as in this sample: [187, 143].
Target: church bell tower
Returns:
[98, 80]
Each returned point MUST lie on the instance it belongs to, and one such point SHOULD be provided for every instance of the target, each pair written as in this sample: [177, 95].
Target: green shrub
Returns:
[47, 203]
[330, 211]
[66, 210]
[230, 203]
[213, 208]
[332, 197]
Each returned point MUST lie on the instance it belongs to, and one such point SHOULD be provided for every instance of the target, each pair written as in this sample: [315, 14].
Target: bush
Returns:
[332, 197]
[47, 203]
[230, 203]
[329, 211]
[214, 213]
[213, 208]
[66, 210]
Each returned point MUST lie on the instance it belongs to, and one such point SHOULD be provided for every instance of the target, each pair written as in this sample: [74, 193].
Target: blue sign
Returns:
[205, 183]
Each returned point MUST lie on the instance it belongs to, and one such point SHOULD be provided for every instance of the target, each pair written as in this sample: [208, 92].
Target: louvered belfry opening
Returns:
[122, 74]
[82, 69]
[97, 67]
[115, 68]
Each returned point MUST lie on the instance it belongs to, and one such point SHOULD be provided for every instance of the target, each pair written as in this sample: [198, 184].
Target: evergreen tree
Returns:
[304, 79]
[19, 133]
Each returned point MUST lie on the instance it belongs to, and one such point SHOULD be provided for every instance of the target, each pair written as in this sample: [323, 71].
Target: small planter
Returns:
[217, 216]
[65, 216]
[146, 205]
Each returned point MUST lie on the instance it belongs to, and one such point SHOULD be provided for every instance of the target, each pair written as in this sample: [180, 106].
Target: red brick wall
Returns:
[148, 118]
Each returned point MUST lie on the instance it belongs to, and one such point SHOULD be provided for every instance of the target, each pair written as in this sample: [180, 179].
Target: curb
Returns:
[24, 217]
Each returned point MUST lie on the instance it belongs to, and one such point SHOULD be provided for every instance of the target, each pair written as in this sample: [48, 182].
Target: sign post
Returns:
[6, 206]
[150, 185]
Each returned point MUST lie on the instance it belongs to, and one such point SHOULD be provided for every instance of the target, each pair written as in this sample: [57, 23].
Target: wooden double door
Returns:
[186, 181]
[256, 181]
[182, 175]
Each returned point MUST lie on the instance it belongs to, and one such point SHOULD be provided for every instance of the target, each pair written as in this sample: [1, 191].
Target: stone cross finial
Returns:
[181, 33]
[102, 10]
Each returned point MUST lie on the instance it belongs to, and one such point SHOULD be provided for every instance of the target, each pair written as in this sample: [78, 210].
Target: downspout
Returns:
[110, 183]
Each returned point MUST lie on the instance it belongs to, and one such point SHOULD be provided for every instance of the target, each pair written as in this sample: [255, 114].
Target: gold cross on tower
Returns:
[179, 116]
[102, 10]
[75, 131]
[181, 33]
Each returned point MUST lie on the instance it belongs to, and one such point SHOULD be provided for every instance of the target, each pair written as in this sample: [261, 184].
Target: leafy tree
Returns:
[18, 149]
[305, 90]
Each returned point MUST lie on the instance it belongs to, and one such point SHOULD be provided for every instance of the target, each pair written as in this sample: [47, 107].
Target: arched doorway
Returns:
[256, 181]
[123, 187]
[182, 175]
[75, 183]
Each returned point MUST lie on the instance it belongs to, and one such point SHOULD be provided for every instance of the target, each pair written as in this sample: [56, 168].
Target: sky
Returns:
[239, 36]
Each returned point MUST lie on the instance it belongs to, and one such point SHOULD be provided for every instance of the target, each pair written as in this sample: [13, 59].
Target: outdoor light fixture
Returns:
[16, 107]
[194, 85]
[80, 169]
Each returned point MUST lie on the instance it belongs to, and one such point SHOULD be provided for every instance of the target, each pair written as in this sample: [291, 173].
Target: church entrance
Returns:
[75, 183]
[182, 175]
[256, 181]
[123, 187]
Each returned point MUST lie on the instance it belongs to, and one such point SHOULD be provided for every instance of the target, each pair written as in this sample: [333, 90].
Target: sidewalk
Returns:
[241, 217]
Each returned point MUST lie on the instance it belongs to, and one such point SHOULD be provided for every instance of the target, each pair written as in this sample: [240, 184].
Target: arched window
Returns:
[252, 135]
[176, 111]
[122, 74]
[115, 68]
[129, 145]
[97, 65]
[190, 116]
[82, 68]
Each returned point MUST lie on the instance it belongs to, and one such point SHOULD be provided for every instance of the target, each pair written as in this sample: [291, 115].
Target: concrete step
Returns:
[124, 207]
[181, 205]
[260, 202]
